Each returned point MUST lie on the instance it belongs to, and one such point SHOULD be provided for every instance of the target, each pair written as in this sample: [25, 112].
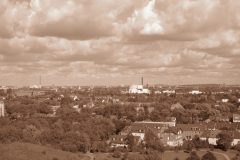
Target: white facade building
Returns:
[169, 91]
[157, 92]
[236, 118]
[225, 100]
[195, 92]
[138, 89]
[2, 109]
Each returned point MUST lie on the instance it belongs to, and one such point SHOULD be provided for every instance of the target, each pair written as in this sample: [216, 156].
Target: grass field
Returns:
[25, 151]
[105, 156]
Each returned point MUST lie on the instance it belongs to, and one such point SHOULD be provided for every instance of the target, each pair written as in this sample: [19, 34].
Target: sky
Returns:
[107, 42]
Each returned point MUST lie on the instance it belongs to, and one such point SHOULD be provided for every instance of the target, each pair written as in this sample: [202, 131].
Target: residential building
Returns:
[139, 129]
[225, 100]
[169, 91]
[2, 109]
[54, 109]
[210, 136]
[236, 118]
[172, 137]
[118, 141]
[195, 92]
[157, 92]
[122, 141]
[189, 131]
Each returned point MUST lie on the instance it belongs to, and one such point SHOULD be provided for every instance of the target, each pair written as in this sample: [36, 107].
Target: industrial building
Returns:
[138, 89]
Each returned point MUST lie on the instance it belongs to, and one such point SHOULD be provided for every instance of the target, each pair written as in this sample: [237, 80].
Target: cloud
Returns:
[115, 42]
[70, 20]
[186, 20]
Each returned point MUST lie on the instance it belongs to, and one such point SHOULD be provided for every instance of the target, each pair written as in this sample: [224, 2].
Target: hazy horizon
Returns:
[89, 42]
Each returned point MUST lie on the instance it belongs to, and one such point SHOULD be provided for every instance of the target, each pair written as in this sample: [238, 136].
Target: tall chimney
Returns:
[142, 80]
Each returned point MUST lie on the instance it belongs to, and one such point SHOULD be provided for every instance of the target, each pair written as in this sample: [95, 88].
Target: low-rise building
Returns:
[169, 91]
[225, 100]
[157, 92]
[236, 118]
[210, 136]
[118, 141]
[2, 109]
[172, 137]
[189, 131]
[195, 92]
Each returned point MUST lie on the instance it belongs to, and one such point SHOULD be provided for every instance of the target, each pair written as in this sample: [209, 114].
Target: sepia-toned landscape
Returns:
[119, 80]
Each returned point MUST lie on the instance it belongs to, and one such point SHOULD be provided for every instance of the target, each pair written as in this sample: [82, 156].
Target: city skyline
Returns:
[86, 42]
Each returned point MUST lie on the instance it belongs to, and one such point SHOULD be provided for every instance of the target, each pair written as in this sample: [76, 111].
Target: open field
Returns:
[25, 151]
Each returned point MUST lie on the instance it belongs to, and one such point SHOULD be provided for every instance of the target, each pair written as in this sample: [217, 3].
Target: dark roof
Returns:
[192, 127]
[214, 133]
[173, 130]
[210, 134]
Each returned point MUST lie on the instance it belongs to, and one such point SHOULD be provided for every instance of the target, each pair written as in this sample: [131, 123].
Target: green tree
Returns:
[193, 156]
[236, 157]
[152, 141]
[209, 156]
[224, 141]
[130, 142]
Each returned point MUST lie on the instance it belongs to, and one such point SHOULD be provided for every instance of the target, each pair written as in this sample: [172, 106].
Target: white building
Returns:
[76, 108]
[2, 109]
[138, 89]
[236, 118]
[157, 92]
[35, 86]
[170, 122]
[225, 100]
[195, 92]
[169, 91]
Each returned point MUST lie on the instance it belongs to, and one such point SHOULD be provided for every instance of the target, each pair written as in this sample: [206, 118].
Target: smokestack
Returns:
[142, 80]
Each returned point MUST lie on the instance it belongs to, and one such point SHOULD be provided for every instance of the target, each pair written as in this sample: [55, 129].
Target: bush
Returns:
[193, 156]
[44, 152]
[69, 147]
[209, 156]
[116, 154]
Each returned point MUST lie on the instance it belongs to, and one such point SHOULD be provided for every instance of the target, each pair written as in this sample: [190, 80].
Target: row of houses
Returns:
[173, 135]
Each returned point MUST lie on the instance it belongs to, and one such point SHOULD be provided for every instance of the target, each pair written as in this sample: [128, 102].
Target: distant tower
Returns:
[2, 109]
[142, 80]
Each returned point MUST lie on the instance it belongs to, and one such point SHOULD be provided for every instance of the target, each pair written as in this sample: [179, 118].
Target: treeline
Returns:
[71, 132]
